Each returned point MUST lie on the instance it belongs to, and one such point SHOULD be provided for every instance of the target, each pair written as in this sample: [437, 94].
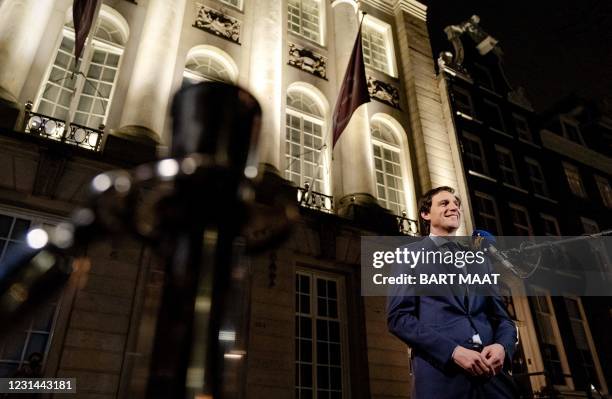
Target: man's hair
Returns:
[425, 205]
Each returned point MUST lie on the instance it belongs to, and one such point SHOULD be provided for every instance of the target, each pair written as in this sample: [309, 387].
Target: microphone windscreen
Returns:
[483, 235]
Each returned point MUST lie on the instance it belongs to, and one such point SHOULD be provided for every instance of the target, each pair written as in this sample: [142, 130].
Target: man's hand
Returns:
[472, 362]
[494, 355]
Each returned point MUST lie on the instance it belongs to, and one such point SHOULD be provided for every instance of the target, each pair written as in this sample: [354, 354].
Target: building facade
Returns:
[310, 332]
[523, 173]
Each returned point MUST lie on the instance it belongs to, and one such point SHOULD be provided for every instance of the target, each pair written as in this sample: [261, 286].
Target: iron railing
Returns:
[55, 129]
[406, 226]
[315, 200]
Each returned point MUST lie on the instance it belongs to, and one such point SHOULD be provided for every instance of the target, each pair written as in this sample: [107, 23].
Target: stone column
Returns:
[22, 25]
[147, 97]
[353, 152]
[265, 75]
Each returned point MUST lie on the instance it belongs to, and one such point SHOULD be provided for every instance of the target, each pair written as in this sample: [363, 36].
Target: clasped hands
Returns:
[487, 363]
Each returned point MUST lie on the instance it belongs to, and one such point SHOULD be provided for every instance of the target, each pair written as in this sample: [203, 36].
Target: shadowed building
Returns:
[309, 329]
[523, 172]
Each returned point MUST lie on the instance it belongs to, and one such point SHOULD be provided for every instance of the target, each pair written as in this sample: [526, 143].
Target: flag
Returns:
[353, 92]
[82, 15]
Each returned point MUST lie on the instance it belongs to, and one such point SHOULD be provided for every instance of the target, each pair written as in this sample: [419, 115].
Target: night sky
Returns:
[552, 48]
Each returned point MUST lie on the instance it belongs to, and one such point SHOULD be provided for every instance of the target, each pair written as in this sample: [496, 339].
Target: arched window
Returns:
[208, 63]
[85, 98]
[387, 164]
[304, 152]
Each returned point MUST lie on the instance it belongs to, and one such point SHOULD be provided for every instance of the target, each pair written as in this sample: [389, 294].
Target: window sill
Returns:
[307, 41]
[482, 176]
[500, 132]
[512, 186]
[377, 71]
[490, 91]
[531, 143]
[468, 117]
[542, 197]
[231, 6]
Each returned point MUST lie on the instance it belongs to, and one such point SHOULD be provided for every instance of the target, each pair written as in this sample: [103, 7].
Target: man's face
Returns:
[445, 213]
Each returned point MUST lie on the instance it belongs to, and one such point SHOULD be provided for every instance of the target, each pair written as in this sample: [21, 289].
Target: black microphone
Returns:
[485, 240]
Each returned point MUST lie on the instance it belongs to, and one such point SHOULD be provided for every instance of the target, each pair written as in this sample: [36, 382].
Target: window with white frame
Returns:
[377, 42]
[487, 216]
[494, 115]
[387, 164]
[319, 337]
[550, 224]
[536, 177]
[584, 344]
[32, 339]
[507, 166]
[520, 220]
[571, 130]
[463, 102]
[574, 180]
[208, 63]
[99, 63]
[522, 127]
[548, 334]
[603, 185]
[304, 148]
[305, 18]
[474, 153]
[589, 226]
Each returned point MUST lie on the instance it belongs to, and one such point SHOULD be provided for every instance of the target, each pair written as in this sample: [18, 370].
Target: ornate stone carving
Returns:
[307, 60]
[383, 92]
[484, 42]
[217, 23]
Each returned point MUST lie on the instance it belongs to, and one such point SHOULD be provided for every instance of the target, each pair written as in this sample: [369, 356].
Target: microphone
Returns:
[484, 239]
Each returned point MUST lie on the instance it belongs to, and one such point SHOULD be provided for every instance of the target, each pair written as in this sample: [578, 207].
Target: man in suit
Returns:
[459, 344]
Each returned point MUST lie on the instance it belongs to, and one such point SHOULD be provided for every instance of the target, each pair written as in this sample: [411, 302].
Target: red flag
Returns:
[353, 92]
[82, 15]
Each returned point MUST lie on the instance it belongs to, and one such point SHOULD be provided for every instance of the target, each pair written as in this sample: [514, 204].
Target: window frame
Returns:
[575, 184]
[85, 62]
[468, 136]
[228, 3]
[520, 208]
[565, 123]
[545, 217]
[532, 162]
[500, 117]
[321, 21]
[522, 134]
[605, 191]
[386, 31]
[504, 169]
[395, 148]
[458, 105]
[35, 220]
[494, 217]
[342, 317]
[322, 155]
[565, 368]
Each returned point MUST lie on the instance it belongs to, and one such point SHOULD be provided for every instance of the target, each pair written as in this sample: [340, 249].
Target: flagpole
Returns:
[330, 128]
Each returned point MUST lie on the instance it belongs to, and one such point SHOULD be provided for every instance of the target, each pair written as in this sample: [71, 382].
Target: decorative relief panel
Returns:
[217, 23]
[307, 60]
[383, 92]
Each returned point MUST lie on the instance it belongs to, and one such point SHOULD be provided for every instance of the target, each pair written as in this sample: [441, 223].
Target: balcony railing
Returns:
[315, 200]
[55, 129]
[406, 226]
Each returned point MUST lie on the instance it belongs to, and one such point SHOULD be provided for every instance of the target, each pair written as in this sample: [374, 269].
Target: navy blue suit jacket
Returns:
[433, 326]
